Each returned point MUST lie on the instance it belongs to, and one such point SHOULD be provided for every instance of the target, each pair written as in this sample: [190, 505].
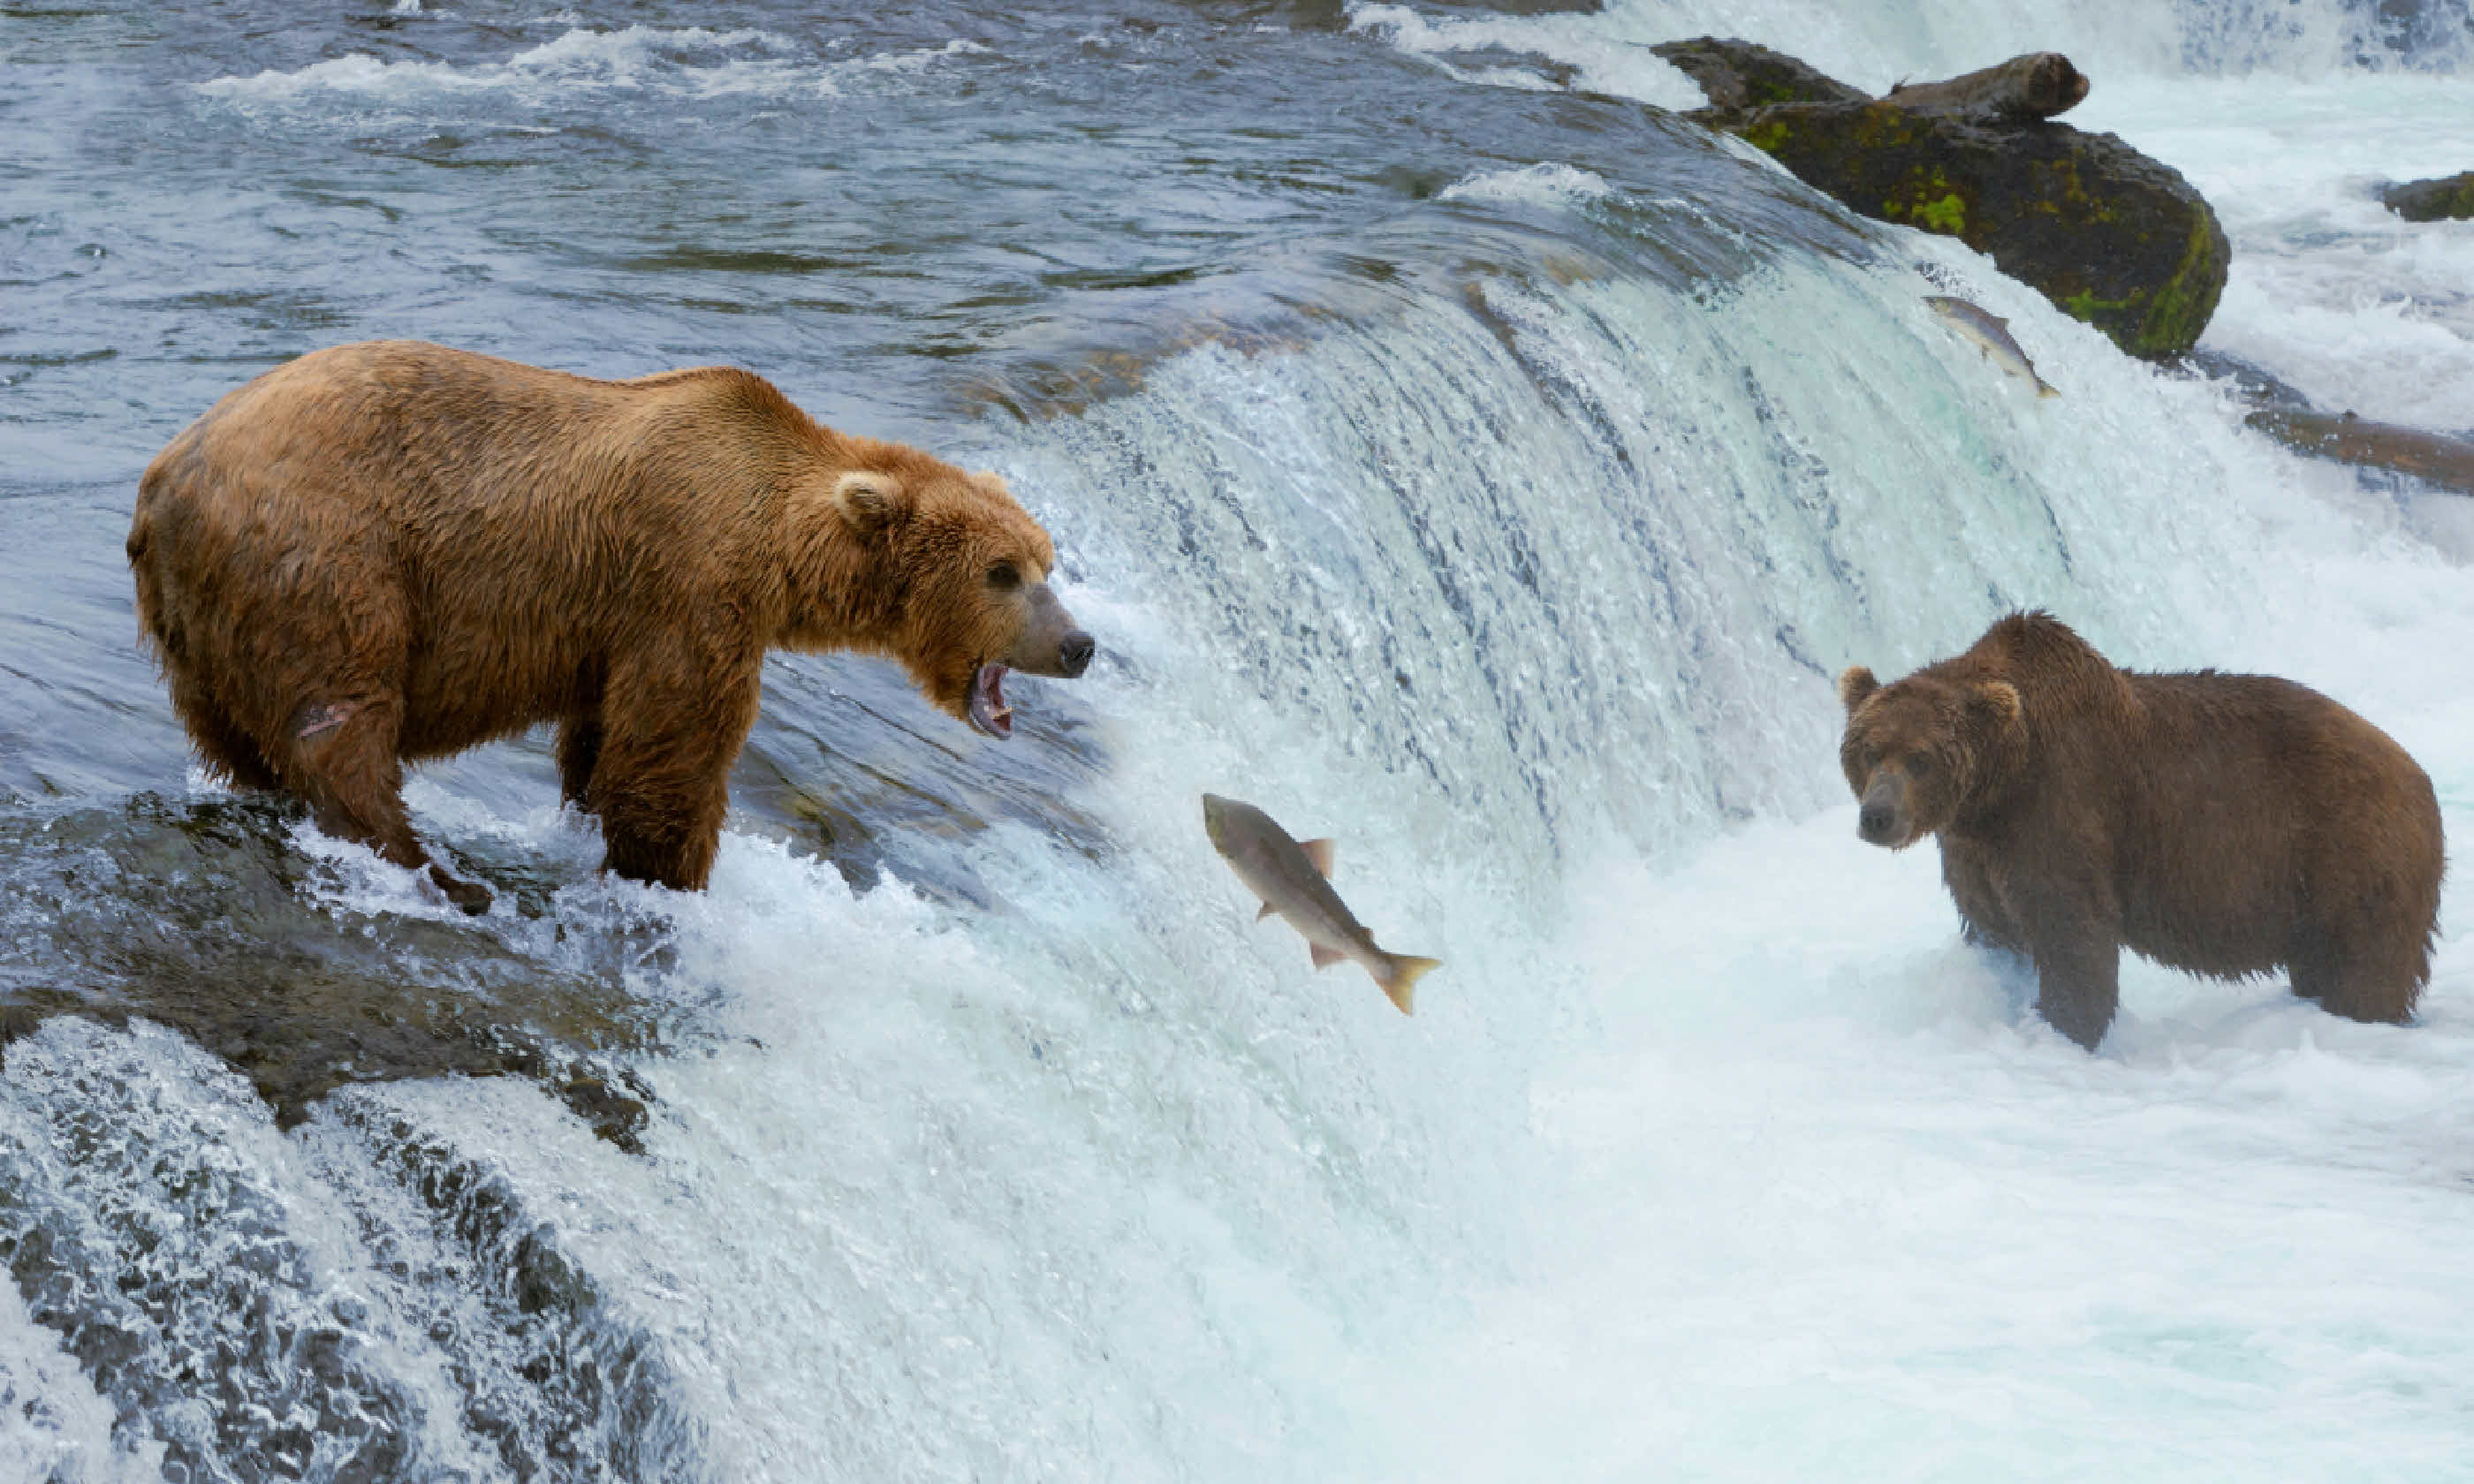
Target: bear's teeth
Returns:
[988, 708]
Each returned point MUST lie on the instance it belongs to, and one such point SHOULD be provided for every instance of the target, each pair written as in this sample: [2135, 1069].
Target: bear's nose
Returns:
[1872, 821]
[1073, 653]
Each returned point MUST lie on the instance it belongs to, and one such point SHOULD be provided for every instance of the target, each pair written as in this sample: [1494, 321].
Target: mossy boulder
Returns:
[2448, 198]
[2111, 236]
[1738, 75]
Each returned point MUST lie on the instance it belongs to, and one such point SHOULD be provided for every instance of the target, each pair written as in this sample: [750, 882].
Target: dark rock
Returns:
[2439, 460]
[1738, 75]
[2443, 461]
[2449, 197]
[2108, 234]
[612, 1116]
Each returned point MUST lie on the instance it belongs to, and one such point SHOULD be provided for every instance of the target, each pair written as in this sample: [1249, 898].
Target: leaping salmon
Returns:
[1990, 333]
[1291, 879]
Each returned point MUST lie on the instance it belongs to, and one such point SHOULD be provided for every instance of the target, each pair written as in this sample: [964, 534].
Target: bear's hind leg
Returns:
[342, 761]
[2364, 975]
[226, 751]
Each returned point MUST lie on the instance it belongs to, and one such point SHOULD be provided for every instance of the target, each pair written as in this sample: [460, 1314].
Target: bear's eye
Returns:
[1920, 766]
[1005, 577]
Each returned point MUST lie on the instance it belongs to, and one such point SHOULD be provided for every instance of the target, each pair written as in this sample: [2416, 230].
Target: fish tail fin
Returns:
[1405, 971]
[2046, 388]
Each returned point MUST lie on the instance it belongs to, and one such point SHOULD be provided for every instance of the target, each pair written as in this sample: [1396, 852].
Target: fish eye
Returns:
[1005, 577]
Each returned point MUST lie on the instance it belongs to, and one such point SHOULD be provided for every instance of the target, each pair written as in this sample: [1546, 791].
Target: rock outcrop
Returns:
[2111, 236]
[2447, 198]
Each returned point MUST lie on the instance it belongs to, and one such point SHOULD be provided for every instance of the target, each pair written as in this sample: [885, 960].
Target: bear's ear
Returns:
[1855, 684]
[867, 499]
[1997, 702]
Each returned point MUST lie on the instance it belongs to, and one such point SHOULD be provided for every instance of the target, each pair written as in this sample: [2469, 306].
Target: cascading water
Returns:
[1497, 497]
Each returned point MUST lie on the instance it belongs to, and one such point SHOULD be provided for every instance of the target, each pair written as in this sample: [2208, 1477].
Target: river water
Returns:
[1456, 455]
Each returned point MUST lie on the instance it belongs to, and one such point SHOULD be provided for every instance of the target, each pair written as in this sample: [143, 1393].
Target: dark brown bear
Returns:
[394, 550]
[2227, 825]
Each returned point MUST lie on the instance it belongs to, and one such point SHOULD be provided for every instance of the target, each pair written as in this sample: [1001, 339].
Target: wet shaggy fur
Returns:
[2227, 825]
[393, 551]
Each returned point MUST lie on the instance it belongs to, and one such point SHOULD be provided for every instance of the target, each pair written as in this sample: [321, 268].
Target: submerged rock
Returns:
[2109, 235]
[2440, 461]
[2445, 199]
[194, 916]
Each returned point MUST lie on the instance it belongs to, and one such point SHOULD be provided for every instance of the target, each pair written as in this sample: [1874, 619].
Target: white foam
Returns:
[689, 62]
[136, 1141]
[54, 1427]
[1603, 60]
[926, 56]
[1543, 185]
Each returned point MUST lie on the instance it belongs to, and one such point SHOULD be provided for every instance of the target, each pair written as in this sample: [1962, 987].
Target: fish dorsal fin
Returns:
[1266, 912]
[1325, 958]
[1320, 853]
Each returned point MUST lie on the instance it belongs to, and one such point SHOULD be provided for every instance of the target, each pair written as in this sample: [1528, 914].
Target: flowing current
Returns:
[1457, 455]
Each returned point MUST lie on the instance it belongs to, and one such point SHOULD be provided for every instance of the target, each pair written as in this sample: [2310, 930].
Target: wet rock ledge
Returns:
[2449, 197]
[195, 916]
[2111, 236]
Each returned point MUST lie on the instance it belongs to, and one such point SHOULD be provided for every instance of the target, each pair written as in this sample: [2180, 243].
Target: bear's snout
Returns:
[1051, 641]
[1882, 817]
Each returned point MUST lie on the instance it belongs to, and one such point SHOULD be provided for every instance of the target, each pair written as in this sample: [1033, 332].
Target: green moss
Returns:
[2183, 303]
[1882, 127]
[1928, 201]
[1767, 137]
[2168, 319]
[1947, 216]
[2085, 305]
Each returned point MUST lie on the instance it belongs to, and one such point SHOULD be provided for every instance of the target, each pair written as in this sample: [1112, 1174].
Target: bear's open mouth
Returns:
[988, 710]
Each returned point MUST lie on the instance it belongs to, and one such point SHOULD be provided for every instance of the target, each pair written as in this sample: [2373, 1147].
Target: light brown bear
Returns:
[395, 550]
[2227, 825]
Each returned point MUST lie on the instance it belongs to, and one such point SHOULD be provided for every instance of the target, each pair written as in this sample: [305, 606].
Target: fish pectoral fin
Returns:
[1266, 912]
[1318, 852]
[1325, 958]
